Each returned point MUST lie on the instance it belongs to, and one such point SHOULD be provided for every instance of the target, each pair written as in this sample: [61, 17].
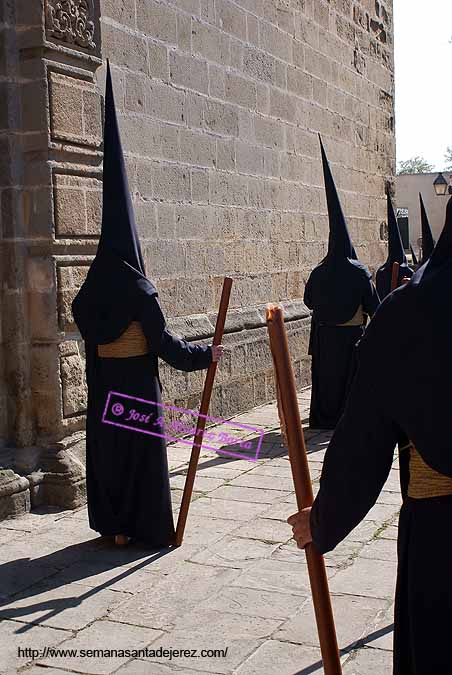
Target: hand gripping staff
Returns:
[203, 410]
[303, 489]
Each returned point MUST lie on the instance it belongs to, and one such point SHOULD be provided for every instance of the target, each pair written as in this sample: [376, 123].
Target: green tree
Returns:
[448, 158]
[415, 165]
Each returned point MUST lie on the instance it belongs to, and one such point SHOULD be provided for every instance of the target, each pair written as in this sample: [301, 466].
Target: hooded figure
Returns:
[410, 326]
[341, 294]
[396, 253]
[120, 319]
[428, 243]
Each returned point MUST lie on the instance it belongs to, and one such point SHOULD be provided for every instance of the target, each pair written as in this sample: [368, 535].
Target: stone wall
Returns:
[220, 103]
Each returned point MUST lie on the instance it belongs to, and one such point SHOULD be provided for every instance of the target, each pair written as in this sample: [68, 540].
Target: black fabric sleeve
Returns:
[179, 353]
[307, 294]
[371, 300]
[358, 459]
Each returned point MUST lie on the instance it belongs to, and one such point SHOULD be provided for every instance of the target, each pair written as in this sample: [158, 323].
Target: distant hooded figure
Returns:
[396, 253]
[341, 294]
[120, 319]
[410, 326]
[428, 243]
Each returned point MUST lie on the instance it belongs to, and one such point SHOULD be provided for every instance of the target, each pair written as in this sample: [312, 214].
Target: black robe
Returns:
[332, 347]
[389, 404]
[127, 471]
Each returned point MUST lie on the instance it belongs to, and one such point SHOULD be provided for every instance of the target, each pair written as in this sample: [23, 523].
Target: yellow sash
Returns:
[131, 343]
[424, 481]
[357, 320]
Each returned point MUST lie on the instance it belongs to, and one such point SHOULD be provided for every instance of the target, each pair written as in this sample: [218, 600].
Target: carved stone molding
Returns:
[72, 21]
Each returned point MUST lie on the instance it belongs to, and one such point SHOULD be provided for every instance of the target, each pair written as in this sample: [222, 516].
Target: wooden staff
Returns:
[395, 276]
[282, 423]
[203, 410]
[303, 488]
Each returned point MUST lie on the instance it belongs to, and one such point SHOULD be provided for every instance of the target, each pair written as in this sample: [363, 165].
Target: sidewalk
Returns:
[238, 582]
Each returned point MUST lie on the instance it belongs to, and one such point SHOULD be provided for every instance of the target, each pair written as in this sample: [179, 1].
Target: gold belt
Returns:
[357, 320]
[131, 343]
[424, 481]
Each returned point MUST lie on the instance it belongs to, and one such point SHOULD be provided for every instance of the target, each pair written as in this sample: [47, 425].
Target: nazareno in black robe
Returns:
[126, 471]
[396, 253]
[389, 403]
[335, 290]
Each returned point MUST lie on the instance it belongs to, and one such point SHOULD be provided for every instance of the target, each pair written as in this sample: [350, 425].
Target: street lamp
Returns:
[440, 184]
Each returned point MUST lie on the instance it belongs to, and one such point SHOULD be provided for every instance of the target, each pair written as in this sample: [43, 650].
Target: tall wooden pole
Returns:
[395, 276]
[303, 488]
[203, 410]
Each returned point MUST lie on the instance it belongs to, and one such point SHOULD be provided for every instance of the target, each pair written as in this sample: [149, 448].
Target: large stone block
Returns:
[165, 102]
[75, 113]
[171, 182]
[72, 373]
[77, 204]
[14, 494]
[210, 43]
[221, 118]
[191, 73]
[157, 20]
[231, 19]
[69, 280]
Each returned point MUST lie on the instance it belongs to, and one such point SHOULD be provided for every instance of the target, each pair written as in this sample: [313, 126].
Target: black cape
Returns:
[396, 253]
[335, 290]
[428, 243]
[410, 326]
[126, 471]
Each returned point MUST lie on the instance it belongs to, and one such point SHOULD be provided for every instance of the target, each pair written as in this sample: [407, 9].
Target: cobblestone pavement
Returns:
[238, 582]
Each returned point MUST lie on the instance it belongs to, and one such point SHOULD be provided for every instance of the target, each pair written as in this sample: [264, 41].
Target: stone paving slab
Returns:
[265, 529]
[238, 582]
[99, 633]
[274, 656]
[70, 607]
[218, 629]
[355, 617]
[36, 637]
[369, 661]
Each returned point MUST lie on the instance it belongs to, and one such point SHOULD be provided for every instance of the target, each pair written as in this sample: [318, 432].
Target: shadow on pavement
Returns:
[108, 559]
[351, 647]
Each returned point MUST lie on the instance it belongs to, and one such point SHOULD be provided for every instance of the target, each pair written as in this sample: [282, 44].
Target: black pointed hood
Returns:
[339, 243]
[428, 243]
[116, 283]
[396, 253]
[119, 232]
[413, 255]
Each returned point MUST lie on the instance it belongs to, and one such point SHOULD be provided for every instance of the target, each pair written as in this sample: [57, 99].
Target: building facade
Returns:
[220, 102]
[408, 187]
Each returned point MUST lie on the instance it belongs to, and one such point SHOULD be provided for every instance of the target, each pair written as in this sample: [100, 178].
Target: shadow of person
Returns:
[271, 446]
[24, 578]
